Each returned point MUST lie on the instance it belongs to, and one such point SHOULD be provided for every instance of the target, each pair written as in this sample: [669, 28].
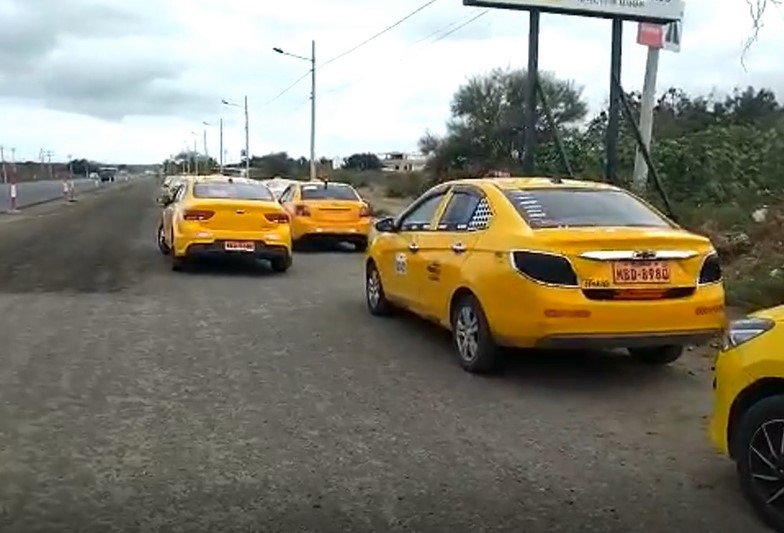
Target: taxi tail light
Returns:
[711, 269]
[545, 268]
[301, 210]
[364, 211]
[198, 214]
[742, 331]
[277, 218]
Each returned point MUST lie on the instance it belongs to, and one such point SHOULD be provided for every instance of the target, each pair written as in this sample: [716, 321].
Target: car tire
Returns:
[753, 434]
[162, 246]
[281, 264]
[375, 297]
[657, 355]
[476, 350]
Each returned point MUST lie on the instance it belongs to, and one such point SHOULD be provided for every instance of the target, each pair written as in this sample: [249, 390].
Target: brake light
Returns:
[301, 210]
[198, 214]
[545, 268]
[364, 211]
[278, 218]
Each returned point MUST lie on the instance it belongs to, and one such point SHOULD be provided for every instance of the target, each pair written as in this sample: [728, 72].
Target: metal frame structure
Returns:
[573, 7]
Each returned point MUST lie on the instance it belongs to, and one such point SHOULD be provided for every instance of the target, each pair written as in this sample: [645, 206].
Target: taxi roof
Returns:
[220, 178]
[506, 183]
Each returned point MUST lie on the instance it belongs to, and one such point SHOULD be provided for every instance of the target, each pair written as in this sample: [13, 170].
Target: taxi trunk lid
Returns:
[646, 263]
[234, 215]
[334, 210]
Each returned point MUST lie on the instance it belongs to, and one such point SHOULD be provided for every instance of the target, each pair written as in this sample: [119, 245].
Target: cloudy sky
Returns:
[129, 81]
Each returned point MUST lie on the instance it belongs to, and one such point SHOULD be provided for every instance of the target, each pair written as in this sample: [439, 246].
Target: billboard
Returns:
[640, 10]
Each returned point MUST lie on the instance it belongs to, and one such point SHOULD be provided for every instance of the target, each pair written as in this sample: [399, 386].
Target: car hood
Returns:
[774, 313]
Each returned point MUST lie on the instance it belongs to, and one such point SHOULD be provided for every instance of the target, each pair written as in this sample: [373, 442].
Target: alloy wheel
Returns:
[467, 333]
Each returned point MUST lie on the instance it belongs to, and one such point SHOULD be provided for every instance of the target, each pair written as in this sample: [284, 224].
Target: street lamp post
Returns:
[247, 132]
[221, 145]
[195, 154]
[312, 61]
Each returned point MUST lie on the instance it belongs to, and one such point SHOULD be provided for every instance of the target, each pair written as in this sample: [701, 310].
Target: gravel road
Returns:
[232, 399]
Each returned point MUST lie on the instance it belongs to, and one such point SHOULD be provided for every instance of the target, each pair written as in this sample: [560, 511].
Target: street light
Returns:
[247, 137]
[195, 153]
[312, 61]
[206, 152]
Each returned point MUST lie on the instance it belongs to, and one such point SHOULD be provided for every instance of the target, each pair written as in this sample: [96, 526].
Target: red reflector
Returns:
[198, 214]
[567, 313]
[301, 211]
[640, 294]
[278, 218]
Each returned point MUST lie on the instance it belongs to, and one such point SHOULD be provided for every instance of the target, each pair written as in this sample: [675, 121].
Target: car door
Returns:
[445, 249]
[400, 259]
[170, 210]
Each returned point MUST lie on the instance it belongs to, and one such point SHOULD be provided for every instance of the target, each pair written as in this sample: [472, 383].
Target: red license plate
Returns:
[234, 246]
[636, 272]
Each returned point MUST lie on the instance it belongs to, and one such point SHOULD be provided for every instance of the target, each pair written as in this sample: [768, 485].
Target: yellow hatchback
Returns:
[221, 215]
[748, 408]
[546, 263]
[327, 210]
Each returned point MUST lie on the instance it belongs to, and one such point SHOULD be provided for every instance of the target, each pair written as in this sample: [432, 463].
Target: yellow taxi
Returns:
[327, 210]
[221, 215]
[747, 423]
[546, 263]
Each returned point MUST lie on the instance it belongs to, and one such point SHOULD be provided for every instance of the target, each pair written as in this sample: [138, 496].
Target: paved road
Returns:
[232, 399]
[33, 192]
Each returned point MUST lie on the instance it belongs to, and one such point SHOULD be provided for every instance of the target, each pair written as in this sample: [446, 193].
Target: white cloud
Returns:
[166, 70]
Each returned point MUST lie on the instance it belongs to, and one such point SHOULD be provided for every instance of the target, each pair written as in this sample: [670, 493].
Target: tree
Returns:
[363, 161]
[485, 130]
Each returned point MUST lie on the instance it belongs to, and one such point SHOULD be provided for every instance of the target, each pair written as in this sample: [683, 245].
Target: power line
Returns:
[287, 89]
[448, 29]
[379, 34]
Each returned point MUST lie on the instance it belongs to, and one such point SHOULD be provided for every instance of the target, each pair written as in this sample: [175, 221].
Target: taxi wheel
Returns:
[162, 246]
[281, 264]
[657, 355]
[760, 461]
[377, 302]
[471, 335]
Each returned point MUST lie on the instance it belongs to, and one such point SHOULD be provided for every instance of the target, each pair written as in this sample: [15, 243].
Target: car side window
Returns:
[287, 194]
[459, 211]
[421, 217]
[180, 193]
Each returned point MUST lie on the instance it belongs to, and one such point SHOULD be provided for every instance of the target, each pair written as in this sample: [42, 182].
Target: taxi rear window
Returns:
[555, 208]
[233, 191]
[329, 192]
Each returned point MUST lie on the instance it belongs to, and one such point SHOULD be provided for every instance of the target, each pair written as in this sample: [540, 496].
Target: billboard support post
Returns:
[614, 115]
[531, 82]
[659, 12]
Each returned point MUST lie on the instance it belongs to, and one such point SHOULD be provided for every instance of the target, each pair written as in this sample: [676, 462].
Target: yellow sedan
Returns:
[220, 215]
[547, 263]
[323, 210]
[748, 409]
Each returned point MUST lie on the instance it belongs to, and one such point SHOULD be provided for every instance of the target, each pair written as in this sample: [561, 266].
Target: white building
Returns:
[402, 162]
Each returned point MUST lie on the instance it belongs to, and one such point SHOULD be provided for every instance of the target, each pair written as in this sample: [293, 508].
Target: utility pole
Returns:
[49, 154]
[640, 179]
[221, 145]
[247, 140]
[2, 158]
[313, 110]
[195, 155]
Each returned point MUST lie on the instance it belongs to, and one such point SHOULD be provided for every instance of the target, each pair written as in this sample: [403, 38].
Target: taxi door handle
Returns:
[414, 247]
[458, 247]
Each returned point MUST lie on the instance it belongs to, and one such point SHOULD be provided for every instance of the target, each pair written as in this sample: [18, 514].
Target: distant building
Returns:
[402, 162]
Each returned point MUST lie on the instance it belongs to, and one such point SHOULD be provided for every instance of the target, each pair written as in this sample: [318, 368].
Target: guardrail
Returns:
[30, 193]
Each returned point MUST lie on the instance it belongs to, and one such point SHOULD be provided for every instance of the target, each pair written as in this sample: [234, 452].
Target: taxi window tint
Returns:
[419, 219]
[330, 192]
[232, 191]
[552, 208]
[459, 211]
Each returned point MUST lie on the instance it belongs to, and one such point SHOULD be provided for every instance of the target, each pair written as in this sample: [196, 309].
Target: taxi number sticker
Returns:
[401, 263]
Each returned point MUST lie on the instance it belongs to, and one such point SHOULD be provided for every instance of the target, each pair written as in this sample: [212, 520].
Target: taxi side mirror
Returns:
[385, 225]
